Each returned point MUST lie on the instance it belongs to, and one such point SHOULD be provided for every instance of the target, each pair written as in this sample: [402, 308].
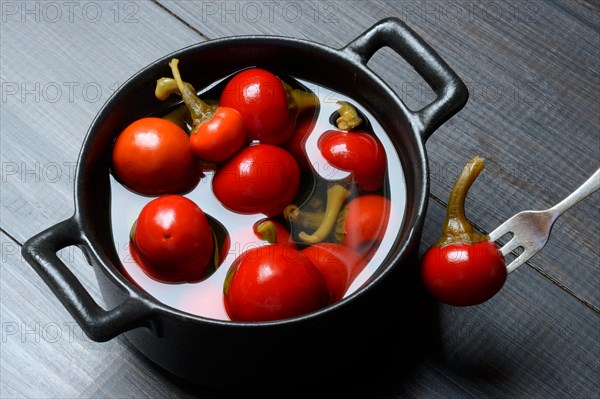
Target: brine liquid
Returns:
[205, 298]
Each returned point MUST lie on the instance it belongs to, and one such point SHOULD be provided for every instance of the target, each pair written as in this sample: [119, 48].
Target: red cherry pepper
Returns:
[464, 267]
[261, 99]
[339, 265]
[268, 105]
[273, 282]
[260, 178]
[219, 138]
[173, 239]
[358, 152]
[217, 132]
[365, 223]
[152, 156]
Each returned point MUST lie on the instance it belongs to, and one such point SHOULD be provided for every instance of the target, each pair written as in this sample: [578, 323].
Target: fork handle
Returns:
[592, 184]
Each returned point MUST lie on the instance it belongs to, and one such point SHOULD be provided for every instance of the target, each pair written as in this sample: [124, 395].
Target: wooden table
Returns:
[532, 68]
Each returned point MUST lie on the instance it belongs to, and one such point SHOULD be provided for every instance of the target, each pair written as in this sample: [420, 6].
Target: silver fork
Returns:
[530, 229]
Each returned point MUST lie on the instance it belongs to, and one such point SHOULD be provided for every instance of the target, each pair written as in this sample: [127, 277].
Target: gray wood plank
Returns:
[330, 22]
[534, 111]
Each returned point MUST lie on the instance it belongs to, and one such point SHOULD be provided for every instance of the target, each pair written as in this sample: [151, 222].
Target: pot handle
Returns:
[98, 324]
[451, 92]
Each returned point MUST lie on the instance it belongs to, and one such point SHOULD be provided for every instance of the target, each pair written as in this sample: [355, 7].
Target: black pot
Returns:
[239, 355]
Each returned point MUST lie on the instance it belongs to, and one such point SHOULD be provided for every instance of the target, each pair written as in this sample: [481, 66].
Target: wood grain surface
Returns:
[532, 68]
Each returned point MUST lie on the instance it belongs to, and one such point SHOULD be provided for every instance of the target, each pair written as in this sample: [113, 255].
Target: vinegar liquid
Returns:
[205, 298]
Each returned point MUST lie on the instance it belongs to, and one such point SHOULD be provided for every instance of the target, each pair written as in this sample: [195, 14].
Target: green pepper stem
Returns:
[132, 231]
[304, 219]
[266, 230]
[199, 110]
[456, 227]
[300, 100]
[336, 196]
[165, 87]
[348, 118]
[216, 252]
[339, 232]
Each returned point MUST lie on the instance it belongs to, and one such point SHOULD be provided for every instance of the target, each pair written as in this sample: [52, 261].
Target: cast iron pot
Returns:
[261, 355]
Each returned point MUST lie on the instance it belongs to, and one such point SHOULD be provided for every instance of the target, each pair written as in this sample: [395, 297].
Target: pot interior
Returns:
[214, 60]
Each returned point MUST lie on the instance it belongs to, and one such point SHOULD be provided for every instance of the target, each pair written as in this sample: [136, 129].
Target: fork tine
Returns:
[500, 231]
[524, 257]
[510, 246]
